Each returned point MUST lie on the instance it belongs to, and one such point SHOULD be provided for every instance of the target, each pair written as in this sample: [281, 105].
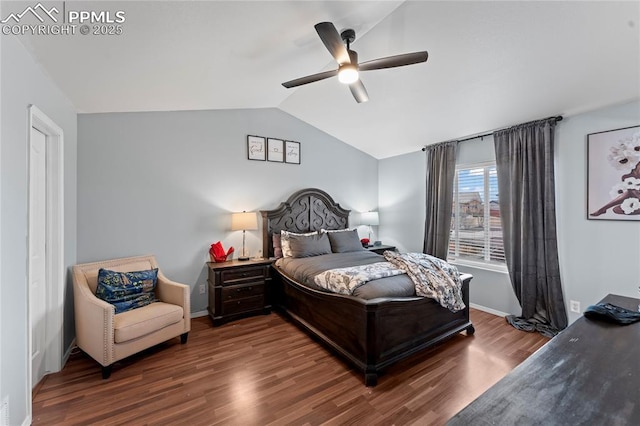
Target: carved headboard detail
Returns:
[307, 210]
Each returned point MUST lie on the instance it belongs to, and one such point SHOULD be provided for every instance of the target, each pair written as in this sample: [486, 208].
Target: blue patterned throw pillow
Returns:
[127, 290]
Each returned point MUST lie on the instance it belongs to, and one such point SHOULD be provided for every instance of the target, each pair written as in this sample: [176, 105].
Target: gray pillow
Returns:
[277, 246]
[309, 245]
[342, 242]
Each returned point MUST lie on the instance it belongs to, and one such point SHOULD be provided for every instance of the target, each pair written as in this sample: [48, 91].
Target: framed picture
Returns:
[275, 150]
[256, 148]
[292, 152]
[613, 174]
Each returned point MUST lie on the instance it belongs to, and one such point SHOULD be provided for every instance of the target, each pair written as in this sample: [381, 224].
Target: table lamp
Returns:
[245, 221]
[370, 219]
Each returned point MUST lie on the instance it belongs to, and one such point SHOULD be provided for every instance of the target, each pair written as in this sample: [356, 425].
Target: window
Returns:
[476, 228]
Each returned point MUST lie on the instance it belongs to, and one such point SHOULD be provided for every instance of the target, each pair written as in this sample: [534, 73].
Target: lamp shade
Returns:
[370, 218]
[244, 221]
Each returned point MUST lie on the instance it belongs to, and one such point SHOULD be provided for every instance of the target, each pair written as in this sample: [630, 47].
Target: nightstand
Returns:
[381, 249]
[238, 289]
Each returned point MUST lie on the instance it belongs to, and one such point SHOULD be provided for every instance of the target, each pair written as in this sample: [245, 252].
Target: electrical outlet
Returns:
[574, 306]
[203, 289]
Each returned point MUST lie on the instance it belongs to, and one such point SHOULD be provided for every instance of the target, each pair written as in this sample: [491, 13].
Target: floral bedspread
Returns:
[346, 280]
[433, 277]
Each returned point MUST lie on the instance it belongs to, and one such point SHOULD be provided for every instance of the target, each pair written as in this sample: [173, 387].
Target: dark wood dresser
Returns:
[587, 375]
[238, 289]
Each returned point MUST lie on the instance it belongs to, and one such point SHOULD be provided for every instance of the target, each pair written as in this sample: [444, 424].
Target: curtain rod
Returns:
[556, 118]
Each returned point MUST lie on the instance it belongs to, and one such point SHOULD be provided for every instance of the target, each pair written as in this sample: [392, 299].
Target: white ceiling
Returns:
[491, 64]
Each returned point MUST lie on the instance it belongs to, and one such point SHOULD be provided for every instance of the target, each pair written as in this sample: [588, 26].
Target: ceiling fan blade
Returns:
[309, 79]
[359, 92]
[333, 42]
[394, 61]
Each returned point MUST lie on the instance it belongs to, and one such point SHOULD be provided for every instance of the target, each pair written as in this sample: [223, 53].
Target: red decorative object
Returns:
[365, 242]
[217, 254]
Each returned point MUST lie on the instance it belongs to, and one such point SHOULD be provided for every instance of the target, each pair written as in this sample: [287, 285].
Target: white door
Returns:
[37, 252]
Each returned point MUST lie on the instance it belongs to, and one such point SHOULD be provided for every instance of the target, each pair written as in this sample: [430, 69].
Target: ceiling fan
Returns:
[348, 67]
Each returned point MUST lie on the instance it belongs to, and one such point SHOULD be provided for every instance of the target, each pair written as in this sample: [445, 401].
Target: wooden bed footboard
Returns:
[370, 334]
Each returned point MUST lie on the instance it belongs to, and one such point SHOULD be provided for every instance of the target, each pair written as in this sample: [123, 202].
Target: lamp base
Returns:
[243, 258]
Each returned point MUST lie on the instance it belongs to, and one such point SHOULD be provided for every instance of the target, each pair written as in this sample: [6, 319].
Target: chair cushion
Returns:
[127, 290]
[148, 319]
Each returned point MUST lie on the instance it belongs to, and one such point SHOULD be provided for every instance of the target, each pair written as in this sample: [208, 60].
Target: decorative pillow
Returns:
[309, 245]
[329, 231]
[277, 246]
[284, 241]
[127, 290]
[342, 242]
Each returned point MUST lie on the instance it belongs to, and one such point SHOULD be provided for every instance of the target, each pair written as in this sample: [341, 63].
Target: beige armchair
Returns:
[108, 337]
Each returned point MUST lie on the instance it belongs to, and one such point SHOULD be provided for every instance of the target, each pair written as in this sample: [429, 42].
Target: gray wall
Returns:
[23, 83]
[596, 257]
[402, 201]
[165, 183]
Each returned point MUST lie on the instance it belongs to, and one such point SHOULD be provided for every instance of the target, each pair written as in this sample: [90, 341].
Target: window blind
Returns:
[476, 228]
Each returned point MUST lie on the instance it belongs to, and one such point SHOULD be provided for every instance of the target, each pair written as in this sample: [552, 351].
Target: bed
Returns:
[373, 333]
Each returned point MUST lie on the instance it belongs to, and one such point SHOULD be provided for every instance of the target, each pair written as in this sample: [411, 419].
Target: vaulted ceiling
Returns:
[491, 64]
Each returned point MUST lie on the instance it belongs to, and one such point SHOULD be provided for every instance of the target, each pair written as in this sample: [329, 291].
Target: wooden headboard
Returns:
[307, 210]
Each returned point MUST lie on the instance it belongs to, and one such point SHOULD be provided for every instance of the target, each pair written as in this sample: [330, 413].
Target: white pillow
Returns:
[284, 241]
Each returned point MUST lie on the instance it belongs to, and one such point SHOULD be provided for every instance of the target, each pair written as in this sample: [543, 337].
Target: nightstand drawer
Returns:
[243, 305]
[242, 273]
[238, 288]
[241, 291]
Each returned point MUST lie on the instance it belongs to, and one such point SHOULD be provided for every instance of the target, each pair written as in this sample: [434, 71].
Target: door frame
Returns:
[54, 258]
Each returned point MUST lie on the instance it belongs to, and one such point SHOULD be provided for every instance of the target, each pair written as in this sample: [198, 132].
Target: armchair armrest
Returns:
[177, 294]
[93, 314]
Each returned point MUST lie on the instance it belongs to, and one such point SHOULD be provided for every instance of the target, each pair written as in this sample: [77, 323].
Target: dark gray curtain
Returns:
[441, 167]
[524, 161]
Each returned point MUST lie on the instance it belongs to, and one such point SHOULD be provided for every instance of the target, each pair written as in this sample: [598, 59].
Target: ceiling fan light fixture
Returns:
[348, 74]
[339, 46]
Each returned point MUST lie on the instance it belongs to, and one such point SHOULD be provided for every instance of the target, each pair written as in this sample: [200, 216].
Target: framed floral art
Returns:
[613, 174]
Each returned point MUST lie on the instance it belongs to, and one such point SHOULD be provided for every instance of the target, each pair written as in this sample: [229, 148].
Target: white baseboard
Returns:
[488, 310]
[199, 314]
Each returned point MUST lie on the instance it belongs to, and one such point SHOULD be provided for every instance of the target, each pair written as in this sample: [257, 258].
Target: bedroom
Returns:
[201, 173]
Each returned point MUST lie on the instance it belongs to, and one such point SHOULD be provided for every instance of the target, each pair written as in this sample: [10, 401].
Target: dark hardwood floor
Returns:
[264, 370]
